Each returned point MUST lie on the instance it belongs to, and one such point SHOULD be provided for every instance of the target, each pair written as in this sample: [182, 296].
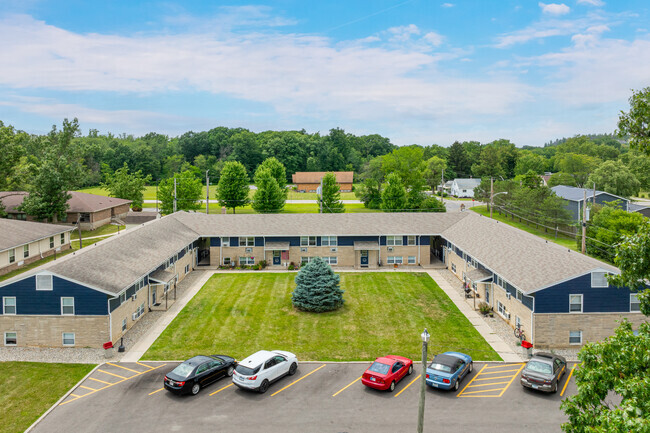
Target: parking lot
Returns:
[322, 397]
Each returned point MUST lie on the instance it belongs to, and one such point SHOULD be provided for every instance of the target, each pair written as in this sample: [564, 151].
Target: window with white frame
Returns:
[520, 295]
[331, 260]
[187, 268]
[307, 241]
[575, 303]
[394, 240]
[67, 306]
[225, 242]
[412, 260]
[12, 255]
[9, 305]
[575, 337]
[25, 251]
[140, 311]
[124, 324]
[68, 338]
[246, 261]
[501, 309]
[397, 260]
[51, 241]
[411, 240]
[247, 241]
[44, 282]
[62, 238]
[305, 260]
[599, 279]
[226, 261]
[453, 267]
[328, 241]
[11, 338]
[635, 305]
[518, 321]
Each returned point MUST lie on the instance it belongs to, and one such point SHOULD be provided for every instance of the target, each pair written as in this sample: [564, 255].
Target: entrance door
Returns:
[276, 257]
[364, 258]
[153, 295]
[487, 293]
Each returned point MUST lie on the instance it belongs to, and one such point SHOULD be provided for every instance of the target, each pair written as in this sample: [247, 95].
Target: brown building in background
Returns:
[309, 181]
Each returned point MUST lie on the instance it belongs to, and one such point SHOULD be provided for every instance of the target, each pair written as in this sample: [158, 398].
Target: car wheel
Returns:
[392, 386]
[264, 386]
[292, 369]
[410, 369]
[471, 366]
[196, 388]
[456, 386]
[554, 389]
[230, 371]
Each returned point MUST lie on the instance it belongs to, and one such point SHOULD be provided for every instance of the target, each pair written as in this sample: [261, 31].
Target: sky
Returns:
[415, 71]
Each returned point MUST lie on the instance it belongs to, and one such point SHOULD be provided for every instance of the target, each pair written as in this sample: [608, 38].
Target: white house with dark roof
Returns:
[464, 188]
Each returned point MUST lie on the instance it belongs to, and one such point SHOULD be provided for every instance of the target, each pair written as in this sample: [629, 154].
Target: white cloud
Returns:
[548, 28]
[591, 2]
[447, 5]
[554, 8]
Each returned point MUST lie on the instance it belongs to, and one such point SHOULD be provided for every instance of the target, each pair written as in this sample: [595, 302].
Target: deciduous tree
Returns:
[636, 122]
[615, 178]
[232, 189]
[129, 186]
[268, 197]
[188, 192]
[393, 198]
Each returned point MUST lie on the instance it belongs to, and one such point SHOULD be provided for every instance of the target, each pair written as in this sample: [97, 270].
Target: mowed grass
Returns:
[28, 389]
[384, 313]
[288, 208]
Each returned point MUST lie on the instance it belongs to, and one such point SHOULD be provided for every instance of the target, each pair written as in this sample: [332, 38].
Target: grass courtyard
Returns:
[28, 389]
[384, 313]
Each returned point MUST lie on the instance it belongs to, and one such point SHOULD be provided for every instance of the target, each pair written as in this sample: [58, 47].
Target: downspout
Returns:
[110, 320]
[221, 250]
[379, 250]
[532, 322]
[419, 244]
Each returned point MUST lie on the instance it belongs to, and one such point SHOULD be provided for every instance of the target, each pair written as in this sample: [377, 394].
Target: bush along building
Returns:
[559, 297]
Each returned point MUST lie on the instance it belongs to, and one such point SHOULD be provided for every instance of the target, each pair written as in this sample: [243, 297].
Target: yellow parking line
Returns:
[119, 366]
[502, 366]
[498, 377]
[158, 390]
[221, 389]
[479, 396]
[487, 384]
[101, 381]
[298, 380]
[144, 365]
[502, 371]
[513, 378]
[568, 379]
[75, 395]
[474, 378]
[347, 386]
[85, 387]
[112, 374]
[410, 383]
[483, 390]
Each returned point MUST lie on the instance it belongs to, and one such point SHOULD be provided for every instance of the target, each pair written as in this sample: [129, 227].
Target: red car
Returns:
[386, 371]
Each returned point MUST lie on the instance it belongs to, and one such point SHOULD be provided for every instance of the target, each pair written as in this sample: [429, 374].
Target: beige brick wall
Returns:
[47, 331]
[37, 251]
[126, 310]
[515, 308]
[552, 330]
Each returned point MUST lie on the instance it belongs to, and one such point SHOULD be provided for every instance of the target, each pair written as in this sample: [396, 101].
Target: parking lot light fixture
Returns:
[425, 341]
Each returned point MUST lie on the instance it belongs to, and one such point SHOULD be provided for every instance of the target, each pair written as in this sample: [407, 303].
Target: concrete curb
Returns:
[61, 399]
[350, 362]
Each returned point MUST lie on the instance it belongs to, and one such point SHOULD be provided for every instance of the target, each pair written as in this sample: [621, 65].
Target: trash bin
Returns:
[527, 348]
[109, 352]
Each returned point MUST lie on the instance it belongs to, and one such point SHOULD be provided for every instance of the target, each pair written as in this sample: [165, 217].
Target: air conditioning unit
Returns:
[390, 249]
[333, 250]
[134, 316]
[134, 297]
[249, 250]
[303, 250]
[508, 295]
[507, 315]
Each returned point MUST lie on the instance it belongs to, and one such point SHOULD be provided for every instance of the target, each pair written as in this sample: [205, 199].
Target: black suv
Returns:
[543, 372]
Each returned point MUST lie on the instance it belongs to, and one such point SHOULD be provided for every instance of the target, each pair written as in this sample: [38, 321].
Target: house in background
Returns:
[91, 210]
[309, 181]
[575, 199]
[640, 208]
[464, 188]
[24, 242]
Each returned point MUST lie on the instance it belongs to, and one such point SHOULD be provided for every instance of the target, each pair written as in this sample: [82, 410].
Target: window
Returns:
[329, 241]
[26, 251]
[225, 242]
[124, 325]
[122, 298]
[520, 295]
[575, 303]
[599, 279]
[187, 268]
[9, 305]
[394, 240]
[246, 261]
[11, 338]
[44, 282]
[304, 260]
[12, 255]
[84, 217]
[331, 260]
[453, 267]
[68, 338]
[247, 241]
[575, 337]
[501, 309]
[307, 241]
[139, 312]
[635, 305]
[394, 260]
[226, 261]
[517, 321]
[411, 240]
[412, 260]
[67, 306]
[62, 238]
[51, 241]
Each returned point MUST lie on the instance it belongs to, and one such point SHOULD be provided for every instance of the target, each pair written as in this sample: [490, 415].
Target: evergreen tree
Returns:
[317, 288]
[331, 195]
[268, 198]
[188, 192]
[232, 189]
[393, 198]
[458, 160]
[129, 186]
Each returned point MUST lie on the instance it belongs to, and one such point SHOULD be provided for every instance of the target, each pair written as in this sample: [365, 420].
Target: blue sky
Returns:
[416, 71]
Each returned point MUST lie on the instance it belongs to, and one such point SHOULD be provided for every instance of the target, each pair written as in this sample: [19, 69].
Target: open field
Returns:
[108, 229]
[384, 313]
[27, 389]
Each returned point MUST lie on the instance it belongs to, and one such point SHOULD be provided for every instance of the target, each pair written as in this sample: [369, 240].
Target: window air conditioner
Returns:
[508, 315]
[134, 316]
[249, 250]
[303, 250]
[508, 295]
[134, 297]
[333, 250]
[390, 249]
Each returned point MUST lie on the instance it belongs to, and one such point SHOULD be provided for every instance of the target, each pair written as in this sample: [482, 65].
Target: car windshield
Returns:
[440, 367]
[378, 367]
[183, 370]
[247, 371]
[539, 367]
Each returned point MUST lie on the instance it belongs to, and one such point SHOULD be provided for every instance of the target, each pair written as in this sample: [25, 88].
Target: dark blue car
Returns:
[448, 369]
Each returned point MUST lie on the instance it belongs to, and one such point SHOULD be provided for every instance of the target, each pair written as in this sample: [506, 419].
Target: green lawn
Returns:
[565, 241]
[28, 389]
[384, 313]
[100, 231]
[288, 208]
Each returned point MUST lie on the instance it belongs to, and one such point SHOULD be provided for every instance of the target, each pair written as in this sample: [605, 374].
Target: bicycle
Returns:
[519, 332]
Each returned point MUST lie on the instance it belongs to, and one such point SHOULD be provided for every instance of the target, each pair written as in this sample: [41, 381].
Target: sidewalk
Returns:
[502, 348]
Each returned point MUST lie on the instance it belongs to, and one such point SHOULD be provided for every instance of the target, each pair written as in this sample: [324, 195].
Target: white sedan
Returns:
[261, 369]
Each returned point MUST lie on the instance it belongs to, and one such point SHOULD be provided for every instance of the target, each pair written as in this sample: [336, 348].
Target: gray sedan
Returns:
[544, 372]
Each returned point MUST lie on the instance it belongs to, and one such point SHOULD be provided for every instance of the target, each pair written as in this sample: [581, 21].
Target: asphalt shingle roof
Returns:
[573, 193]
[467, 183]
[14, 233]
[78, 202]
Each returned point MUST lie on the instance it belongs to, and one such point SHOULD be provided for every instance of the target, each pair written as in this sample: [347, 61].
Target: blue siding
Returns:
[215, 242]
[42, 302]
[234, 242]
[528, 302]
[610, 299]
[425, 240]
[382, 240]
[294, 241]
[181, 253]
[348, 241]
[259, 241]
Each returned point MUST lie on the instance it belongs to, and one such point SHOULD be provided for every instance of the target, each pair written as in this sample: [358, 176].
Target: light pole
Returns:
[425, 341]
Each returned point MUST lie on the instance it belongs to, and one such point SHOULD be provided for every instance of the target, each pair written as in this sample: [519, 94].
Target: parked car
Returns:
[543, 372]
[448, 369]
[198, 372]
[386, 372]
[261, 369]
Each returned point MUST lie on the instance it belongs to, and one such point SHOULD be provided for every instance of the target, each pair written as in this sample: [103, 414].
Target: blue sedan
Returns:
[448, 369]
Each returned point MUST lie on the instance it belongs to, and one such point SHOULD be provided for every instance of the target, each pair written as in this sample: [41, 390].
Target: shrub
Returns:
[292, 266]
[317, 288]
[484, 308]
[136, 209]
[262, 264]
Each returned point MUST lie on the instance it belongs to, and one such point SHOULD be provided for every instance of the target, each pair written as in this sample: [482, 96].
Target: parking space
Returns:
[320, 397]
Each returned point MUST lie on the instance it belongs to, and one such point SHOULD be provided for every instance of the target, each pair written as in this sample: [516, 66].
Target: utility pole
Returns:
[425, 341]
[175, 194]
[207, 192]
[321, 195]
[584, 222]
[157, 197]
[593, 200]
[442, 183]
[79, 228]
[491, 195]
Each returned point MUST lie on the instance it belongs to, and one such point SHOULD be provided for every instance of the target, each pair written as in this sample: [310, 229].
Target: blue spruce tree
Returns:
[317, 288]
